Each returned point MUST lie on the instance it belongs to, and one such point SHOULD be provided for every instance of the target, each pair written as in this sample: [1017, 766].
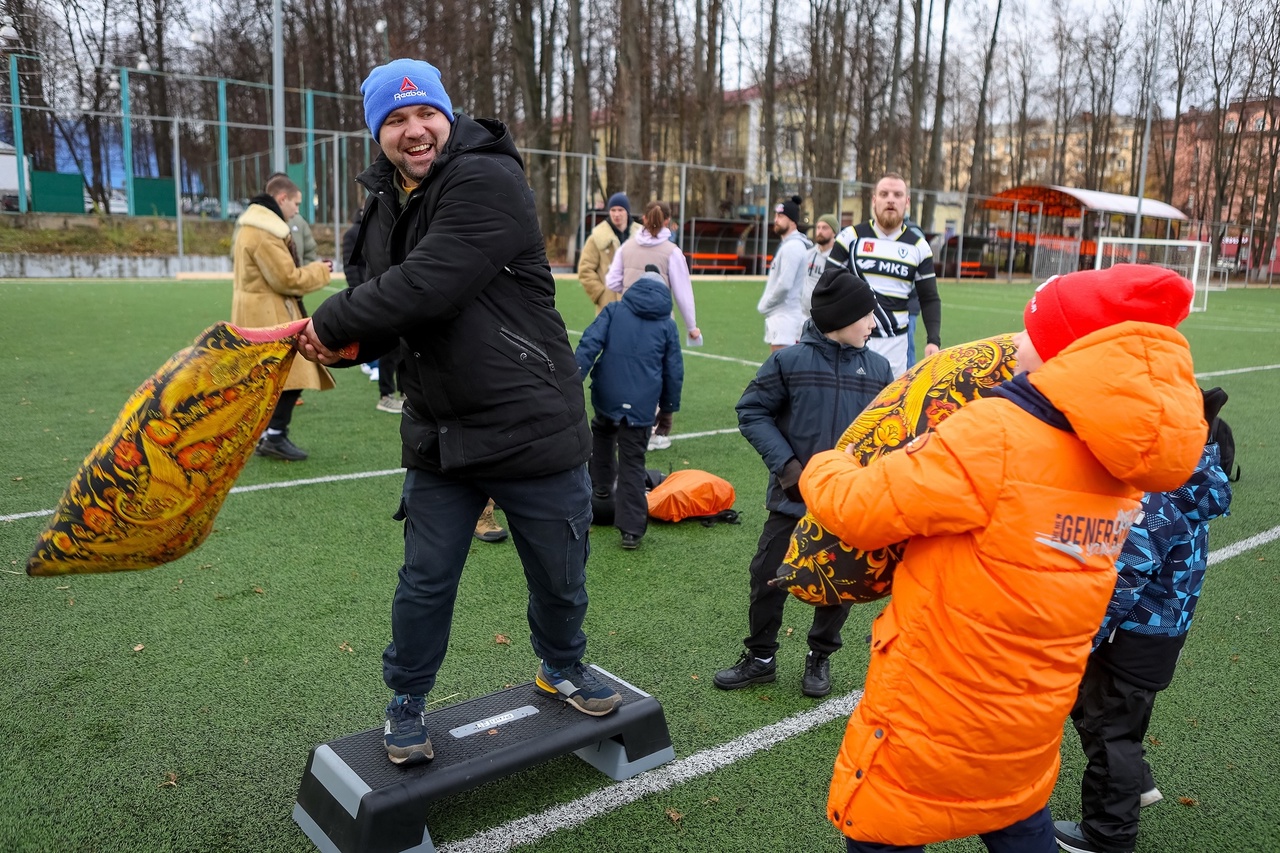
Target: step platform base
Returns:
[353, 800]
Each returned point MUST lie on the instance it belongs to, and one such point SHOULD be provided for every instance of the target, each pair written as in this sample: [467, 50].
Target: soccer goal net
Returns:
[1188, 258]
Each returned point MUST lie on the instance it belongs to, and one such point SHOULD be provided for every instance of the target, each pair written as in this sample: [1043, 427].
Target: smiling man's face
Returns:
[412, 138]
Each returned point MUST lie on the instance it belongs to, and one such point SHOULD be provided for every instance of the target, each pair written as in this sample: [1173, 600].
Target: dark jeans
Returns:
[1112, 716]
[1033, 835]
[628, 444]
[549, 518]
[284, 410]
[388, 375]
[764, 617]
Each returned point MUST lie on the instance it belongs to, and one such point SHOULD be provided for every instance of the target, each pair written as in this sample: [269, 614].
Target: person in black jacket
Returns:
[632, 352]
[459, 280]
[800, 403]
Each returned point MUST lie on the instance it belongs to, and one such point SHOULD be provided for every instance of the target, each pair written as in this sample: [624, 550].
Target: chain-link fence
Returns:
[121, 161]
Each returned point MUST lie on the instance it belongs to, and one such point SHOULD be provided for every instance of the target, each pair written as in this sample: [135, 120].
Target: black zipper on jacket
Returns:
[524, 342]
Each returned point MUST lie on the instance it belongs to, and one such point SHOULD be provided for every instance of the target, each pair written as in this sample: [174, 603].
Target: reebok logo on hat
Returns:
[408, 86]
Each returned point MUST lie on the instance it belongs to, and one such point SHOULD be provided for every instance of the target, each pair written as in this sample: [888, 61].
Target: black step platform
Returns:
[353, 800]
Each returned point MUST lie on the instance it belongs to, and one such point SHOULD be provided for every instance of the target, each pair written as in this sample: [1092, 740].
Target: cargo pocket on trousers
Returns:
[577, 547]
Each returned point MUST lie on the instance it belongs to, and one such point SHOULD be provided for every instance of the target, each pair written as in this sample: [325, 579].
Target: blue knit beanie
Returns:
[402, 83]
[619, 200]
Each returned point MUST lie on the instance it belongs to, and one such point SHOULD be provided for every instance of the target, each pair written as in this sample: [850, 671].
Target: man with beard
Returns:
[815, 260]
[895, 259]
[494, 406]
[780, 302]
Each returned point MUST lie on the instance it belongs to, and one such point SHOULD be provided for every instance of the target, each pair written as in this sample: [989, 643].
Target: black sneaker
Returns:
[280, 447]
[1071, 838]
[578, 686]
[748, 670]
[630, 541]
[405, 735]
[817, 675]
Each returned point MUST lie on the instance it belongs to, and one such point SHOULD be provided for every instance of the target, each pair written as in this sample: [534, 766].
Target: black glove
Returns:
[789, 479]
[664, 423]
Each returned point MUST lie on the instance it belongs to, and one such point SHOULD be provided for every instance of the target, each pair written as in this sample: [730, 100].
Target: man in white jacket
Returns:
[781, 302]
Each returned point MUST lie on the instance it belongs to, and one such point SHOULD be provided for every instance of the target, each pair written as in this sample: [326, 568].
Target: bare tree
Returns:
[933, 170]
[1187, 51]
[978, 180]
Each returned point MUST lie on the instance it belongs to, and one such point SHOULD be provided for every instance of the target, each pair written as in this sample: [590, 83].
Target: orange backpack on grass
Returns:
[693, 494]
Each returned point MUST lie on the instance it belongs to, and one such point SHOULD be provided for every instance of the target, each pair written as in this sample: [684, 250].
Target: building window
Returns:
[1260, 123]
[1231, 125]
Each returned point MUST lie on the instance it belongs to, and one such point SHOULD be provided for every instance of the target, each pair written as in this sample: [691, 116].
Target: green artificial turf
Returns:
[267, 639]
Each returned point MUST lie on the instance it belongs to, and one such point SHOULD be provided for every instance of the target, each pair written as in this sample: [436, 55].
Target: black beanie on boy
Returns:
[840, 299]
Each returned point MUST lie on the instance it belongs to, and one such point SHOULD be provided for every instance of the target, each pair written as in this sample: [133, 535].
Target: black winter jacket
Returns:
[803, 399]
[460, 276]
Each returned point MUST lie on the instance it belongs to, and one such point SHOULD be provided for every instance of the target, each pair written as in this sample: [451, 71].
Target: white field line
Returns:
[1235, 549]
[527, 830]
[1237, 370]
[689, 351]
[337, 478]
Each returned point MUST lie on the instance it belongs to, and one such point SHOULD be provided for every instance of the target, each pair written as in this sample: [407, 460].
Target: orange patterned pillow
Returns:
[148, 492]
[819, 568]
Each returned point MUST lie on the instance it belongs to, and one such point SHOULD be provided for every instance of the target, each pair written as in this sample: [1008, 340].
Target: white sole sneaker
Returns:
[1150, 798]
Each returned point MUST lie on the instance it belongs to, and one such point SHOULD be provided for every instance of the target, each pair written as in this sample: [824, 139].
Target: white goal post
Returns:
[1188, 258]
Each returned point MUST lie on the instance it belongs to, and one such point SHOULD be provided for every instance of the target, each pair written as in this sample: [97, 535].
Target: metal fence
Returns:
[110, 163]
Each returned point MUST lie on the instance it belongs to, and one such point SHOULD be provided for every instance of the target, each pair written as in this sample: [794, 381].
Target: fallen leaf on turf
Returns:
[1235, 658]
[71, 602]
[711, 800]
[674, 815]
[1155, 741]
[345, 647]
[493, 731]
[766, 698]
[502, 639]
[139, 647]
[170, 780]
[1188, 802]
[259, 590]
[790, 631]
[17, 479]
[694, 676]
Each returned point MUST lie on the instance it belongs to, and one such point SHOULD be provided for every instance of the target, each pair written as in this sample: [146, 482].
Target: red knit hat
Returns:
[1067, 307]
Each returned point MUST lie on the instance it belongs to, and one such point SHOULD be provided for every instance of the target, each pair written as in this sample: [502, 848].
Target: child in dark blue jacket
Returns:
[802, 400]
[1160, 574]
[632, 352]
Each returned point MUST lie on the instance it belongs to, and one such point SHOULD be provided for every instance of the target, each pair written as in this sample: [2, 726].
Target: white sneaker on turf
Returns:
[659, 442]
[1150, 798]
[373, 375]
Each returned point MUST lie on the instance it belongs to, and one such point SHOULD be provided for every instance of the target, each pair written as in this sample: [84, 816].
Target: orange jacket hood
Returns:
[1129, 392]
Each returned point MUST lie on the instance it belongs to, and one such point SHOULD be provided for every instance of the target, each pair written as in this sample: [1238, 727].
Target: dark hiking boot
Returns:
[748, 670]
[630, 541]
[817, 675]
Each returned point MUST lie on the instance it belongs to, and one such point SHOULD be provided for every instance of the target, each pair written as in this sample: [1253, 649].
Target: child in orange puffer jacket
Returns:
[1015, 509]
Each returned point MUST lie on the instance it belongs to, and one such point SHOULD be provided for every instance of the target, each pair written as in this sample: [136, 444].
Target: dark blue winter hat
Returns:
[402, 83]
[619, 200]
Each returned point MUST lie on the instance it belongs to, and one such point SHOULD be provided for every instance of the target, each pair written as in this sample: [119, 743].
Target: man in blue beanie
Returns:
[458, 280]
[601, 245]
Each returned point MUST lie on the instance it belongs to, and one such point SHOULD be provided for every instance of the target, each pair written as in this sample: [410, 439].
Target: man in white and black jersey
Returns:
[896, 261]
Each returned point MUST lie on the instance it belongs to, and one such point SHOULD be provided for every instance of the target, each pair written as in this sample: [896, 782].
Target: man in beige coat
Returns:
[598, 251]
[268, 289]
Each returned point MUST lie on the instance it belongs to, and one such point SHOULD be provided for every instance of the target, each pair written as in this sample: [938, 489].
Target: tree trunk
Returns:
[933, 171]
